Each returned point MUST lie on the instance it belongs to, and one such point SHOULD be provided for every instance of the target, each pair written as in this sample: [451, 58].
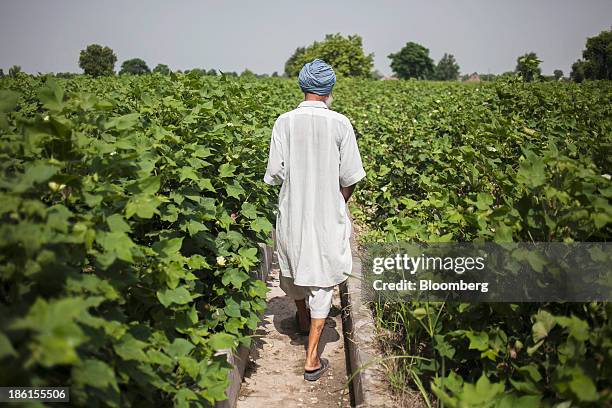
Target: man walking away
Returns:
[315, 158]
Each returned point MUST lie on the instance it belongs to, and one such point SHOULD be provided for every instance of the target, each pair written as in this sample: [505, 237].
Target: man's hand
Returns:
[347, 192]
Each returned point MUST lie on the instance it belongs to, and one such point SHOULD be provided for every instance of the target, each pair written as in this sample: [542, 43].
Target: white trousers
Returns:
[319, 299]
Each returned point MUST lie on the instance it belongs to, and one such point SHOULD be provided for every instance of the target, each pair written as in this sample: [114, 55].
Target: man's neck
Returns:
[314, 97]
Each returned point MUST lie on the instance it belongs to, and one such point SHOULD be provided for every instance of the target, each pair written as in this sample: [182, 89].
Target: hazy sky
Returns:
[484, 35]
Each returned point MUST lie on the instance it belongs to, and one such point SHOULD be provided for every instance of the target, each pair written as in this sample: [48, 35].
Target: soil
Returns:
[274, 372]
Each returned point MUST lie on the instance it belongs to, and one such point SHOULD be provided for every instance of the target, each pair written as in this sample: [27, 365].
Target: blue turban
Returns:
[317, 77]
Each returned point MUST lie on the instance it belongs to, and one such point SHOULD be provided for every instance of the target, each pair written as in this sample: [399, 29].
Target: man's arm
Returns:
[275, 171]
[347, 192]
[351, 168]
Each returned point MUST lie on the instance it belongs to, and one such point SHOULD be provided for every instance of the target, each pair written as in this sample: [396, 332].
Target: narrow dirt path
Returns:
[274, 372]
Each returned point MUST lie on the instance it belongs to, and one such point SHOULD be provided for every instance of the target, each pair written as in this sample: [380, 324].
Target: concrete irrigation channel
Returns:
[269, 373]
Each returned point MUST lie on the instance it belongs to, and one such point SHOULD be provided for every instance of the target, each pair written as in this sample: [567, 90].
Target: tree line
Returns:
[348, 58]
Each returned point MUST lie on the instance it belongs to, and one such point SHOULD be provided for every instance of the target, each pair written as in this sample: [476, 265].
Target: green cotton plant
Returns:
[505, 161]
[528, 360]
[130, 223]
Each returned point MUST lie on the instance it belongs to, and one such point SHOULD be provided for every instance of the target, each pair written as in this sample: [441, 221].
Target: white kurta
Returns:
[313, 151]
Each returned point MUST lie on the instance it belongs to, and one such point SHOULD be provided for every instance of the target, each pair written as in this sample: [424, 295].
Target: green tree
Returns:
[134, 66]
[412, 61]
[294, 63]
[247, 73]
[597, 63]
[528, 66]
[275, 74]
[344, 54]
[211, 72]
[162, 69]
[1, 73]
[558, 74]
[14, 71]
[447, 68]
[577, 74]
[96, 60]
